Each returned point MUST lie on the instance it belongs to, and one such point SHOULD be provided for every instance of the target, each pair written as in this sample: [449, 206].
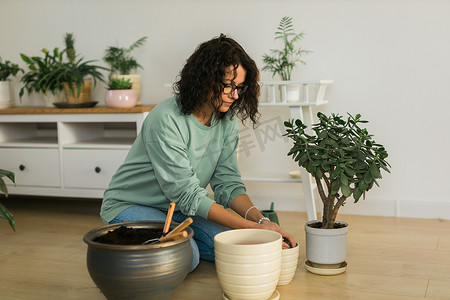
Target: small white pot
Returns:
[290, 92]
[326, 246]
[293, 93]
[120, 98]
[289, 263]
[5, 95]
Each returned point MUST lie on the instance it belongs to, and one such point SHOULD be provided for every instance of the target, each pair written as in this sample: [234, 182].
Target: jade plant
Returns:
[283, 62]
[120, 60]
[119, 84]
[342, 157]
[4, 212]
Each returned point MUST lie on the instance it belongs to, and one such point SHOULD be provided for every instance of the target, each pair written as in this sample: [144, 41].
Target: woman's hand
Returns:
[288, 240]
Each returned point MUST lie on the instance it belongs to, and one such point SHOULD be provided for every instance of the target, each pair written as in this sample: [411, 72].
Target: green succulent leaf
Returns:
[346, 190]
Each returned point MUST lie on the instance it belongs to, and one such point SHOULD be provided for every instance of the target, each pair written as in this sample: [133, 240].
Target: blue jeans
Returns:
[204, 231]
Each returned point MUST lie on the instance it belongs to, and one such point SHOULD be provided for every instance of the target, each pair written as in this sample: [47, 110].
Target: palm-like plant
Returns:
[4, 212]
[74, 71]
[283, 61]
[120, 59]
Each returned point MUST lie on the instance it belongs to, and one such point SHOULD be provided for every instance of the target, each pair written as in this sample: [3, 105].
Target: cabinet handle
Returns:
[21, 167]
[97, 169]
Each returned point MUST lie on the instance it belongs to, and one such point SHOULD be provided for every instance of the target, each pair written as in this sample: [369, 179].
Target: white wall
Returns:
[388, 59]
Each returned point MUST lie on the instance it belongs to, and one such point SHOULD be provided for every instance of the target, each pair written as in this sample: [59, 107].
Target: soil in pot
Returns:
[319, 225]
[128, 236]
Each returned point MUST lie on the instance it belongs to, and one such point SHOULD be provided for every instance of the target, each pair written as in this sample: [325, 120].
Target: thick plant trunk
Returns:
[327, 218]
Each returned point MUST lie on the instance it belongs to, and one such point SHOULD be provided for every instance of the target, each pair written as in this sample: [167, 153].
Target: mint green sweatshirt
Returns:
[173, 159]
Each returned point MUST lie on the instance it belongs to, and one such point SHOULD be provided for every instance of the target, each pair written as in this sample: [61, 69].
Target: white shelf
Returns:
[312, 95]
[293, 104]
[104, 142]
[270, 178]
[38, 142]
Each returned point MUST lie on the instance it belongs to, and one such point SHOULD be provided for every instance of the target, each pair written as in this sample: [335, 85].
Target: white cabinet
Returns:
[66, 152]
[90, 168]
[30, 165]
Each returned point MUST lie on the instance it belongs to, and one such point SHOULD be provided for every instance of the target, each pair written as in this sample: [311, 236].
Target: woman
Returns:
[189, 141]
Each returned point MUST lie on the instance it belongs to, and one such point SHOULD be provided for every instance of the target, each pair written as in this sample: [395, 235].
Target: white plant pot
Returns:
[293, 93]
[326, 246]
[289, 263]
[5, 95]
[248, 263]
[290, 92]
[135, 79]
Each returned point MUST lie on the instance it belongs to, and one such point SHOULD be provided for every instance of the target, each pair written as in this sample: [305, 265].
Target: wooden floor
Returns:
[388, 258]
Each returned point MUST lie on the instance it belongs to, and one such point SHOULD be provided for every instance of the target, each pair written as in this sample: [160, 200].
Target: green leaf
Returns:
[6, 214]
[346, 190]
[335, 186]
[344, 179]
[350, 172]
[368, 177]
[357, 193]
[375, 171]
[363, 185]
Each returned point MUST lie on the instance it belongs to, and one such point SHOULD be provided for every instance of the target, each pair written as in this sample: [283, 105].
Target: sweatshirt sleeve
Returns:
[226, 181]
[173, 171]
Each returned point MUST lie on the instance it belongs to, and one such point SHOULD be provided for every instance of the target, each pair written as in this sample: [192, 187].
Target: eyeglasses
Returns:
[229, 88]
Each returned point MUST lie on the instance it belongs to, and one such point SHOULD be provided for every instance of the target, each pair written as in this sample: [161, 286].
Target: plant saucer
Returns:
[326, 269]
[275, 296]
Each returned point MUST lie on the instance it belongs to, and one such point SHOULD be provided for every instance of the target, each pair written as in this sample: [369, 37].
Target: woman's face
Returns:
[231, 84]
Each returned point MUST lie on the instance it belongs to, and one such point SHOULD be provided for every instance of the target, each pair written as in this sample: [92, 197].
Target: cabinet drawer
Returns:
[32, 166]
[88, 168]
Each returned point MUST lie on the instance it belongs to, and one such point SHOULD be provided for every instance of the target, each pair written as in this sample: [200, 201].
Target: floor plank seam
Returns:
[426, 290]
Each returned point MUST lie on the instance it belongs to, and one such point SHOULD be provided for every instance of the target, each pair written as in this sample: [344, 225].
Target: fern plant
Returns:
[120, 60]
[4, 212]
[283, 61]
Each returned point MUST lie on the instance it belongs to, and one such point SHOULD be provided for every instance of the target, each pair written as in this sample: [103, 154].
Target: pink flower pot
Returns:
[120, 98]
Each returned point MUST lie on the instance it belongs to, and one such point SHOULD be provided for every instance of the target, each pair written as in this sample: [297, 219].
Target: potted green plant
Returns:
[123, 64]
[282, 61]
[7, 70]
[345, 161]
[75, 75]
[120, 93]
[4, 212]
[36, 78]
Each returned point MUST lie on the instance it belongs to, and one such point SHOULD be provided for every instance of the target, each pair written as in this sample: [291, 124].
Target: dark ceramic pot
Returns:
[135, 272]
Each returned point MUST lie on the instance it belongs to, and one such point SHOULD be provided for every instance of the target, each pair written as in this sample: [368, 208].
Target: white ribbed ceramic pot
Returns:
[248, 263]
[326, 246]
[289, 263]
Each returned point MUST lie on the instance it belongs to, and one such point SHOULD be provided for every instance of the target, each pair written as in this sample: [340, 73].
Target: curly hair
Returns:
[200, 79]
